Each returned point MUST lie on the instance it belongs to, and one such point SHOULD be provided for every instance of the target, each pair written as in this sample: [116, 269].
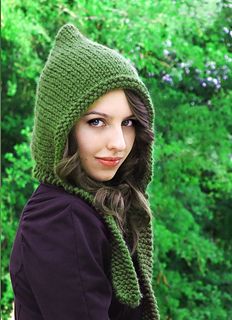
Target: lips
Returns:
[109, 161]
[110, 158]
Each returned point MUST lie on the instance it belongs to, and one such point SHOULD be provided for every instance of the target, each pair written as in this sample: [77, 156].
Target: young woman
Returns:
[83, 249]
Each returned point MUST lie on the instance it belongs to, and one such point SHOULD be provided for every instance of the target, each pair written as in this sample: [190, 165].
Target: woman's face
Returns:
[105, 135]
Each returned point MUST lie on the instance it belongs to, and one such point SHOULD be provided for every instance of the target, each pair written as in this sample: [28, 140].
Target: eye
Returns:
[129, 122]
[95, 122]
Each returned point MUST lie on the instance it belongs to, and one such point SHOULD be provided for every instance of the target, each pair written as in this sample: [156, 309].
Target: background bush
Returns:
[182, 50]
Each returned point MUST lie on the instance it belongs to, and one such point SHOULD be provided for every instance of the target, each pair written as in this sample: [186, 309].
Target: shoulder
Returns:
[50, 204]
[59, 229]
[54, 194]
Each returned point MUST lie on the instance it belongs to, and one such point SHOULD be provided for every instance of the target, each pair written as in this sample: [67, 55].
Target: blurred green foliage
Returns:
[182, 50]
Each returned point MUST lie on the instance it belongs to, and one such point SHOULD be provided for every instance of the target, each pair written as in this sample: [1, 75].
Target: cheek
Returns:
[86, 142]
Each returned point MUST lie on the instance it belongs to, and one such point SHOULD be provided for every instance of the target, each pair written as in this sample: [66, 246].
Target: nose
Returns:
[116, 140]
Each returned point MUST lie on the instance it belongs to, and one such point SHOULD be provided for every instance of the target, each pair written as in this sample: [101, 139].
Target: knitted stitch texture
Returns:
[77, 72]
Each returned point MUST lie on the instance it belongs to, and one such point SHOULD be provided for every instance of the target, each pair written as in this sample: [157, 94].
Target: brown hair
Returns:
[115, 197]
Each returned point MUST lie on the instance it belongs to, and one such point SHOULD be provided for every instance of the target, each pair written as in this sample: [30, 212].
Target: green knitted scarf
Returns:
[78, 71]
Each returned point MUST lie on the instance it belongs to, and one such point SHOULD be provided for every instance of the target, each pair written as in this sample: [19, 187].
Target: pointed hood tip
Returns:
[67, 29]
[68, 26]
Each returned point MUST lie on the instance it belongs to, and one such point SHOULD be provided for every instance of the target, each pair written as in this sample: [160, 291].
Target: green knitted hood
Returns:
[77, 72]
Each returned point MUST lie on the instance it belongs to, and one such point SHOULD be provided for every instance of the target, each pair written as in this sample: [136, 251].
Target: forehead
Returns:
[113, 102]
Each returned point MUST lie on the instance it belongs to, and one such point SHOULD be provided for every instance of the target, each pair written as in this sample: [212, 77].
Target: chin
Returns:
[102, 177]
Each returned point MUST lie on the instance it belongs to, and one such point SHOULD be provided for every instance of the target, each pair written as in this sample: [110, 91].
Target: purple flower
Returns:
[167, 78]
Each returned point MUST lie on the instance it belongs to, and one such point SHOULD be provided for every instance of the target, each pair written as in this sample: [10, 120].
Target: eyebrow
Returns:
[104, 114]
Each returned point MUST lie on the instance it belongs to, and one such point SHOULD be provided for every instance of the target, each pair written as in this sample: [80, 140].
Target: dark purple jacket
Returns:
[60, 261]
